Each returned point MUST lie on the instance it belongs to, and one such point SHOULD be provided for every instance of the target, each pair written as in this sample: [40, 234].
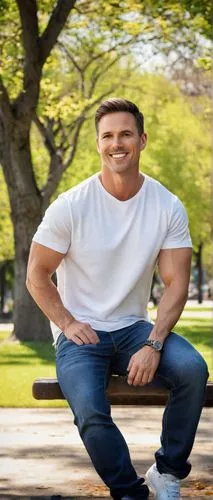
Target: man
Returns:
[104, 238]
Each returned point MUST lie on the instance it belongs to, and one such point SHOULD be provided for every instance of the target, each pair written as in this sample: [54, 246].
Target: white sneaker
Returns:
[164, 486]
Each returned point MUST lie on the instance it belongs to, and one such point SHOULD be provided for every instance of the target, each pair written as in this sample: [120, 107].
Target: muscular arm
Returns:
[174, 268]
[42, 263]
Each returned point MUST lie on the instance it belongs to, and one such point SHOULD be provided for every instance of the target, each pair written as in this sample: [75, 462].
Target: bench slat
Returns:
[119, 392]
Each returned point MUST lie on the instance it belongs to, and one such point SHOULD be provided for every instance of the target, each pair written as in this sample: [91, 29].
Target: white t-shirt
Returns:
[111, 249]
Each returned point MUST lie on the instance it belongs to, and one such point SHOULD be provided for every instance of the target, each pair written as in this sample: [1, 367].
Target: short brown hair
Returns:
[116, 104]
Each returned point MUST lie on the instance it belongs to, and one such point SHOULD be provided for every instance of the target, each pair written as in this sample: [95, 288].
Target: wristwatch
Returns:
[156, 344]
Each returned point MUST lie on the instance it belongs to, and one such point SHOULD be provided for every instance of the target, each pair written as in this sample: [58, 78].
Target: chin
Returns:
[119, 168]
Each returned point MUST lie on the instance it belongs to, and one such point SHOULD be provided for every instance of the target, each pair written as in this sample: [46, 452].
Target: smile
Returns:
[119, 155]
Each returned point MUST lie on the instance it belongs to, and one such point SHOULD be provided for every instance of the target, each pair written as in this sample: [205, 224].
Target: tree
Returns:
[94, 40]
[15, 154]
[195, 15]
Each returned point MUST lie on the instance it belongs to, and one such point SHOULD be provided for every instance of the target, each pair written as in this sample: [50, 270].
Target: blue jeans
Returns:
[83, 374]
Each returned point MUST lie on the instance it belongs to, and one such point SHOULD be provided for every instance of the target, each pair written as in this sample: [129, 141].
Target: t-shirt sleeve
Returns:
[178, 235]
[55, 229]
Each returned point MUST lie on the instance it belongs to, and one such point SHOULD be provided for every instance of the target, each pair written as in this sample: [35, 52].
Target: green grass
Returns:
[197, 308]
[21, 363]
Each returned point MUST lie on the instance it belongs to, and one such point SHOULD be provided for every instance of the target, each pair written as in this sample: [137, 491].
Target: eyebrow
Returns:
[122, 131]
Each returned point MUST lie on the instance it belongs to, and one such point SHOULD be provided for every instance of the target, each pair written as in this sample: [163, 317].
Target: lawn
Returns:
[22, 362]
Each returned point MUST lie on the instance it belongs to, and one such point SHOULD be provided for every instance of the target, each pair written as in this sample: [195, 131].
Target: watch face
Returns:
[157, 345]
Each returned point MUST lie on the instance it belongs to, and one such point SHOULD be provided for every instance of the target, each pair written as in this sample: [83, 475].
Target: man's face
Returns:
[119, 143]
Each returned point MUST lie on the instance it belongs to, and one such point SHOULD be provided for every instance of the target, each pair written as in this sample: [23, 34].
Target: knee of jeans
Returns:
[89, 417]
[195, 370]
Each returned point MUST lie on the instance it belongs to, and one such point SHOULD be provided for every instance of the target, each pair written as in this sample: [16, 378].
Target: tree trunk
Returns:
[26, 213]
[29, 321]
[15, 121]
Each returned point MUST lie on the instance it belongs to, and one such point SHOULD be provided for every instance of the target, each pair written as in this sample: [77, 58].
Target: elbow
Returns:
[179, 291]
[28, 282]
[183, 294]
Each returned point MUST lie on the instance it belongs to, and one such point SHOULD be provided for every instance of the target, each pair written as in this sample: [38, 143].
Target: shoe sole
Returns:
[149, 484]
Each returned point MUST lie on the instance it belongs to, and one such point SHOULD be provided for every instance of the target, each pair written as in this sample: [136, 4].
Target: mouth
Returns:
[118, 155]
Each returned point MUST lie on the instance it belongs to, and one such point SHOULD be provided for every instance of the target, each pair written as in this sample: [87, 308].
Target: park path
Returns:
[42, 454]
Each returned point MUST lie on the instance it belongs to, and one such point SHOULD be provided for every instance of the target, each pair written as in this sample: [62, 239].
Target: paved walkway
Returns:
[42, 455]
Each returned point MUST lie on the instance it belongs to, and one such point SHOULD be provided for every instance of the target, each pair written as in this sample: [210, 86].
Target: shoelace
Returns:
[173, 488]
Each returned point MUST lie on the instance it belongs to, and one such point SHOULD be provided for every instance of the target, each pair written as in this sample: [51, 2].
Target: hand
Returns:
[142, 366]
[81, 333]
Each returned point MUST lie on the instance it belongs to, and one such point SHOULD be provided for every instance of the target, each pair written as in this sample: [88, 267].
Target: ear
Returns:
[143, 140]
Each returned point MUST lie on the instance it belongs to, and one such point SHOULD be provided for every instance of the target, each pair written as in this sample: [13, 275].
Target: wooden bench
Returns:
[119, 392]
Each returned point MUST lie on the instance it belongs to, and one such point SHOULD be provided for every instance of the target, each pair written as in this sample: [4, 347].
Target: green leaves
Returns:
[6, 230]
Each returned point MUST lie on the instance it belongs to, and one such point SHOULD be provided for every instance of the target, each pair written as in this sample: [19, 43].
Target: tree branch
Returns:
[26, 102]
[119, 45]
[76, 65]
[54, 27]
[57, 167]
[5, 107]
[95, 76]
[74, 142]
[46, 136]
[70, 56]
[6, 117]
[30, 32]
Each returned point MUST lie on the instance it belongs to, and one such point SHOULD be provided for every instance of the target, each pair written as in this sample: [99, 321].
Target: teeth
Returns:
[119, 155]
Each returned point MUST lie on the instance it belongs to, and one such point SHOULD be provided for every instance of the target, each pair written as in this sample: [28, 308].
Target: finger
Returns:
[93, 337]
[145, 378]
[82, 337]
[91, 334]
[132, 374]
[150, 379]
[130, 364]
[138, 377]
[77, 340]
[151, 374]
[86, 334]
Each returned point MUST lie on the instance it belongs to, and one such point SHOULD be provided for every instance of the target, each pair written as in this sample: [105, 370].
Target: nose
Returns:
[116, 143]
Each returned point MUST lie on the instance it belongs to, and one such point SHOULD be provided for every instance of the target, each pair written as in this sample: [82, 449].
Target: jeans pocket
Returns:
[60, 340]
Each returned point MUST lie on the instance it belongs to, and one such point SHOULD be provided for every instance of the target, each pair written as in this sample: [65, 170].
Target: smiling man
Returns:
[104, 238]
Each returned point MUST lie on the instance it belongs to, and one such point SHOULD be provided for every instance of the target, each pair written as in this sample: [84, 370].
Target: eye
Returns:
[106, 136]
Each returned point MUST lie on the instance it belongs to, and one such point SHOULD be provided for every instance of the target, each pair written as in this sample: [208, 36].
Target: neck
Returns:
[121, 187]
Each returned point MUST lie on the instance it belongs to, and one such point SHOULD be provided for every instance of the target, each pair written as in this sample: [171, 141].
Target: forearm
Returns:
[169, 310]
[46, 295]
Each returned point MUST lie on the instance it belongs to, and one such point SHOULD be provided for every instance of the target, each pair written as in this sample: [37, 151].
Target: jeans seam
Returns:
[113, 342]
[166, 419]
[166, 411]
[105, 377]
